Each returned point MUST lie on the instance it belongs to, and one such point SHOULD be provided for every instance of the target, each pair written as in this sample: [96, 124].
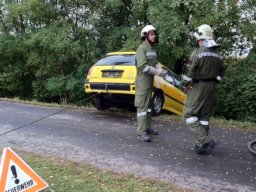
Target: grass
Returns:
[219, 122]
[56, 105]
[66, 176]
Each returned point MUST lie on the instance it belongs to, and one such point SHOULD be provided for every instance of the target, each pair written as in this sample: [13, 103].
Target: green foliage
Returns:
[248, 24]
[56, 85]
[46, 47]
[15, 78]
[236, 95]
[175, 22]
[76, 89]
[40, 92]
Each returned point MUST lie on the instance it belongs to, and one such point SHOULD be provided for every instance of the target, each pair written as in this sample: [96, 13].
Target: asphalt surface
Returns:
[109, 141]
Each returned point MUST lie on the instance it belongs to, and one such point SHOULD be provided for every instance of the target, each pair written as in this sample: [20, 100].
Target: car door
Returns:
[174, 96]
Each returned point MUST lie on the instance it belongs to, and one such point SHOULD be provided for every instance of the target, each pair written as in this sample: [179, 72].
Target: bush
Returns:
[236, 94]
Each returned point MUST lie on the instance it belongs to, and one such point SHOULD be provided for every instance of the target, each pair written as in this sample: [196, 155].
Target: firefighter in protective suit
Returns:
[204, 72]
[146, 60]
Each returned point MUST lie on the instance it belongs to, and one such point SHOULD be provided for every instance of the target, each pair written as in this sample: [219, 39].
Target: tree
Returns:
[176, 21]
[247, 23]
[47, 46]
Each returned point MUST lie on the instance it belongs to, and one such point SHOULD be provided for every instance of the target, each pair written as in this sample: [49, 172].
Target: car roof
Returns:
[126, 53]
[122, 53]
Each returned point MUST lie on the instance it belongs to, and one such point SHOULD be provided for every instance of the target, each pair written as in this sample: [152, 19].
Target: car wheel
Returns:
[100, 103]
[252, 147]
[157, 103]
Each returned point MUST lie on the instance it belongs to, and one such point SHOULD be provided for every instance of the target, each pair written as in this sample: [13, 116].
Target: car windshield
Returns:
[117, 60]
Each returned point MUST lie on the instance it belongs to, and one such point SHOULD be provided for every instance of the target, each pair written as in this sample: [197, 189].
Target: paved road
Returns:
[109, 141]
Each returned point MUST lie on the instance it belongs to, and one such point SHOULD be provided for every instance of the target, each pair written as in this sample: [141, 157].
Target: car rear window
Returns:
[117, 60]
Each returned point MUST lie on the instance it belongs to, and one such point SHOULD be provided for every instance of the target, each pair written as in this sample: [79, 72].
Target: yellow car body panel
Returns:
[173, 97]
[122, 53]
[120, 79]
[128, 77]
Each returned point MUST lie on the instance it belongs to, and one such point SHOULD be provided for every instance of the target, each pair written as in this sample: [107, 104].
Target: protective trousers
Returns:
[143, 104]
[199, 128]
[198, 110]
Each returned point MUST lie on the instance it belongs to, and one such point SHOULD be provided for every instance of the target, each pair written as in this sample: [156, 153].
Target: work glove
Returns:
[219, 79]
[163, 73]
[156, 71]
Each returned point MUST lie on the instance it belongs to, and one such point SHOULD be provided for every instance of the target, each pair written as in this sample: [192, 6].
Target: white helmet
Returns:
[146, 29]
[204, 32]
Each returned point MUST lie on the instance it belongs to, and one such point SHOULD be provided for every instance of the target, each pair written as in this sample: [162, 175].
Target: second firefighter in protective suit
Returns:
[146, 60]
[204, 72]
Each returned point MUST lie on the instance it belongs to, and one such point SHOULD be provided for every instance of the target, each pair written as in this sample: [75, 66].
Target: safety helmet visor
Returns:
[210, 43]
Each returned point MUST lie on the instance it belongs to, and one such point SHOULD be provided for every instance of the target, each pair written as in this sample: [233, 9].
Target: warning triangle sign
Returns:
[16, 175]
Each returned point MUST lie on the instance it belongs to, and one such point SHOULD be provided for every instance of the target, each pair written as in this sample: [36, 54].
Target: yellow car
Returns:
[113, 78]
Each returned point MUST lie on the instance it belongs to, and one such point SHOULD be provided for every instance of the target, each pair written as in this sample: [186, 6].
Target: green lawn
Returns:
[67, 176]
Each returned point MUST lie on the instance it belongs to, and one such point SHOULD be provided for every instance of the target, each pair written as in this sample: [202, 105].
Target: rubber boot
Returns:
[144, 136]
[152, 131]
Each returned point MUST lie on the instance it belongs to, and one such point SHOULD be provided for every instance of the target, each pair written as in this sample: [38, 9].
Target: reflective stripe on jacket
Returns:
[145, 56]
[207, 63]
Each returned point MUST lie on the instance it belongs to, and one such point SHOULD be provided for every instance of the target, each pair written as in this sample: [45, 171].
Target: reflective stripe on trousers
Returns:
[199, 129]
[143, 113]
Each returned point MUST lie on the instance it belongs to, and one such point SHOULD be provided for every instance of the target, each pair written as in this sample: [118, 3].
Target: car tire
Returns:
[252, 147]
[100, 103]
[157, 103]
